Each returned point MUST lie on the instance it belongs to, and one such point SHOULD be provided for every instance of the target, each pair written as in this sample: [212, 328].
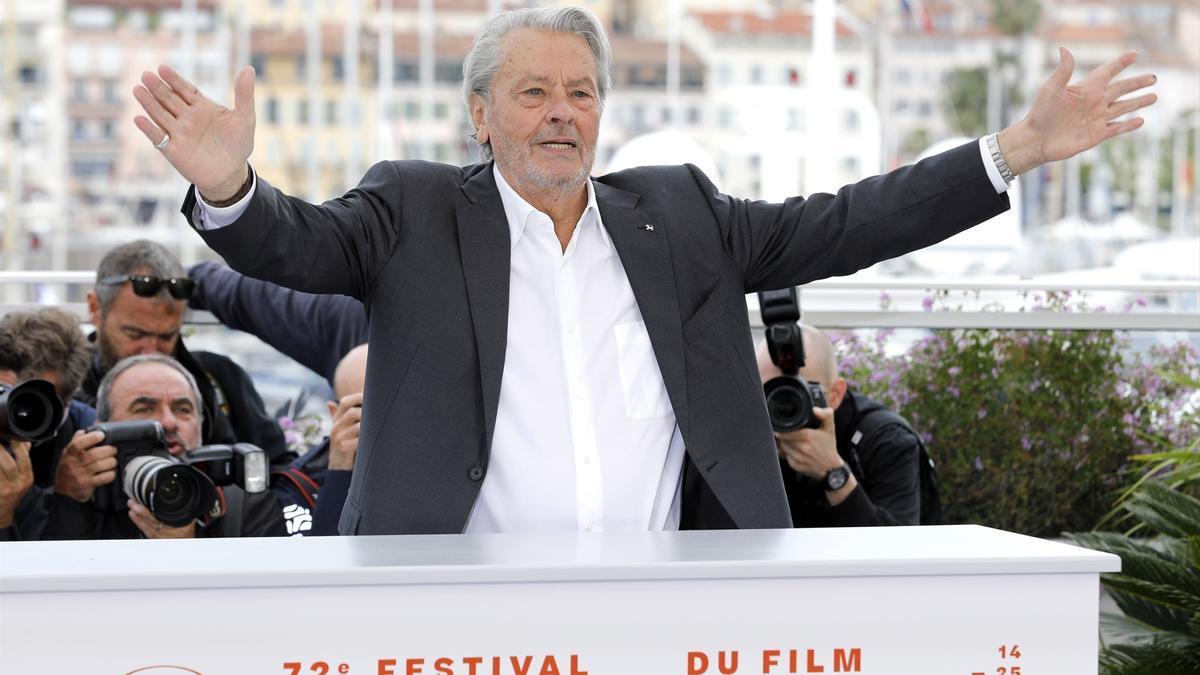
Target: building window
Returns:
[302, 66]
[925, 108]
[339, 69]
[79, 130]
[756, 74]
[259, 63]
[272, 111]
[28, 74]
[448, 71]
[110, 91]
[440, 111]
[693, 114]
[795, 119]
[724, 117]
[106, 129]
[79, 91]
[302, 112]
[850, 165]
[849, 120]
[404, 71]
[411, 110]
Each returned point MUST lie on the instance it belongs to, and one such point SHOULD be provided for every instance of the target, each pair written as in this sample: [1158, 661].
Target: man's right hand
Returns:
[343, 437]
[85, 465]
[16, 477]
[209, 143]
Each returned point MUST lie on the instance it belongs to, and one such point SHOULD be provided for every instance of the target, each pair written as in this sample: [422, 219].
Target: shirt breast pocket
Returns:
[641, 381]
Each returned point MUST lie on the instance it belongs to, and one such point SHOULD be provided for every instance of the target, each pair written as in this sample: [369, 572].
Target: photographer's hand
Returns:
[153, 529]
[343, 437]
[813, 453]
[85, 465]
[16, 477]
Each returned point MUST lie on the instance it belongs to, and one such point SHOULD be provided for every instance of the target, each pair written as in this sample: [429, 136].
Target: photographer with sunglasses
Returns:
[137, 307]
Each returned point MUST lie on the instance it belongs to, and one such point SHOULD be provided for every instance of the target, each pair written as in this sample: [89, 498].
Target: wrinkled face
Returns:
[153, 391]
[135, 325]
[542, 115]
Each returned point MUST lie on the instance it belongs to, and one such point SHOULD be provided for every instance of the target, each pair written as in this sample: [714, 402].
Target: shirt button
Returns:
[587, 459]
[475, 473]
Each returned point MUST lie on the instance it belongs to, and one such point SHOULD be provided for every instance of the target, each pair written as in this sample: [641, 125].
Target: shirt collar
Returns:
[517, 211]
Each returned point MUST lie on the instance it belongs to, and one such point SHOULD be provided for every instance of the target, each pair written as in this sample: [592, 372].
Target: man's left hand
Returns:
[153, 529]
[1067, 119]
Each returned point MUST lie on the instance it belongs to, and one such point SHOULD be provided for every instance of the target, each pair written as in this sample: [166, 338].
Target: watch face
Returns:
[836, 478]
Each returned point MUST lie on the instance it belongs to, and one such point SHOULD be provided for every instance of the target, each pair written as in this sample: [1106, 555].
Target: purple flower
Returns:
[286, 422]
[953, 391]
[1026, 443]
[981, 414]
[954, 371]
[978, 463]
[927, 303]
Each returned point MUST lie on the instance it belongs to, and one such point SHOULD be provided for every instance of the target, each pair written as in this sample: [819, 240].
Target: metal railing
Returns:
[855, 303]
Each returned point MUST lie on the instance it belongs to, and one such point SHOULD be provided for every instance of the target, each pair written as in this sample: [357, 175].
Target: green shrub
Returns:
[1030, 430]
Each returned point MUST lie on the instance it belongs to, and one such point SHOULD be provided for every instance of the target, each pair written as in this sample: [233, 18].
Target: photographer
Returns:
[314, 488]
[21, 512]
[137, 307]
[839, 474]
[144, 387]
[56, 351]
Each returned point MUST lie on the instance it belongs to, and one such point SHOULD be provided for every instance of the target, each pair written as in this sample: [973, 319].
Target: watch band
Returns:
[998, 158]
[237, 197]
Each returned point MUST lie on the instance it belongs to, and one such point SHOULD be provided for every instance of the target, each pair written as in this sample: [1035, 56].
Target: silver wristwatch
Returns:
[998, 158]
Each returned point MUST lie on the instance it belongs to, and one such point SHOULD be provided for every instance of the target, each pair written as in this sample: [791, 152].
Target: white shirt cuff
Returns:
[209, 217]
[989, 166]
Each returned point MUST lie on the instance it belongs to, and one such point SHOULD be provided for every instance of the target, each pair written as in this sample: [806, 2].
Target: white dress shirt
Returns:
[585, 436]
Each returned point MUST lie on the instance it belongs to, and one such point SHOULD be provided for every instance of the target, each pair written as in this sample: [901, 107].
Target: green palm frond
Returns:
[1156, 658]
[1165, 510]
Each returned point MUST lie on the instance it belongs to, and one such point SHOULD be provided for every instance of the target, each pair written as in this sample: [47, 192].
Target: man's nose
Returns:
[560, 110]
[168, 421]
[146, 345]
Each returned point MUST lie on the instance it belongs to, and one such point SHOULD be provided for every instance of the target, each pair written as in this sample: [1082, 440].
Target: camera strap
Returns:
[235, 499]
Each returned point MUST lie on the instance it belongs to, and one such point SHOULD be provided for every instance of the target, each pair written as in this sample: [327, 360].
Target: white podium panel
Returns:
[953, 600]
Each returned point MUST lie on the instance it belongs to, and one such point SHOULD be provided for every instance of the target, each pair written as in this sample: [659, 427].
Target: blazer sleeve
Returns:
[314, 330]
[777, 245]
[335, 247]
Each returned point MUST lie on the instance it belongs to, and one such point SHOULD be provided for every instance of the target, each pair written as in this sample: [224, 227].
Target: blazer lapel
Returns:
[486, 245]
[642, 245]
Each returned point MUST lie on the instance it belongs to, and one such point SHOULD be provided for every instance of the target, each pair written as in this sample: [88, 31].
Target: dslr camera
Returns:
[176, 490]
[29, 411]
[790, 400]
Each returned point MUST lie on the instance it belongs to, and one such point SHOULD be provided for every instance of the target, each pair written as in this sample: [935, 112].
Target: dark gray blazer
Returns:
[426, 248]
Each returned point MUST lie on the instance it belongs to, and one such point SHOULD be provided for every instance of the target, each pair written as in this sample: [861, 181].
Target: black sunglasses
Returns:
[148, 287]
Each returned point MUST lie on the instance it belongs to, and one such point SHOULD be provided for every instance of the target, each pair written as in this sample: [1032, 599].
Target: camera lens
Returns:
[788, 404]
[30, 410]
[174, 492]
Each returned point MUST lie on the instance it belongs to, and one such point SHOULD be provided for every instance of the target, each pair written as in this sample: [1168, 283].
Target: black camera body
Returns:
[790, 400]
[29, 411]
[177, 491]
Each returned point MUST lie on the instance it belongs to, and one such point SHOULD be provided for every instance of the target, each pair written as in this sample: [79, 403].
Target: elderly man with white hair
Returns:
[556, 352]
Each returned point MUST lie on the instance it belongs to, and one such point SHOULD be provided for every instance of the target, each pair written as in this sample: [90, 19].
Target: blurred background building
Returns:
[773, 97]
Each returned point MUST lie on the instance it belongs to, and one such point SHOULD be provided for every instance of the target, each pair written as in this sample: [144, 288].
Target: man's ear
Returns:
[332, 405]
[93, 304]
[837, 392]
[479, 118]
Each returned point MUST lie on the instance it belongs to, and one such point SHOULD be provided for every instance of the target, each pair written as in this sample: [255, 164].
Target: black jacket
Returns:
[314, 330]
[69, 519]
[233, 410]
[886, 464]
